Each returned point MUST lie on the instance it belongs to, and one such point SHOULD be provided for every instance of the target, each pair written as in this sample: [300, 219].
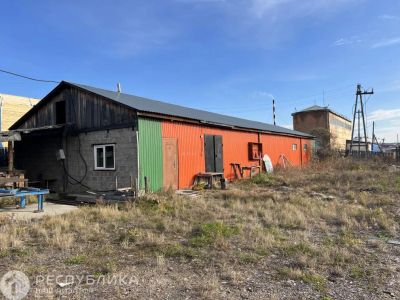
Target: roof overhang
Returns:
[15, 135]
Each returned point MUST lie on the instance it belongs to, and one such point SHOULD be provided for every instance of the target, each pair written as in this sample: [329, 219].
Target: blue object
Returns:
[23, 192]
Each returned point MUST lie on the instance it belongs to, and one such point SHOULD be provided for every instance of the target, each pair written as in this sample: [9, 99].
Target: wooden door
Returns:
[170, 163]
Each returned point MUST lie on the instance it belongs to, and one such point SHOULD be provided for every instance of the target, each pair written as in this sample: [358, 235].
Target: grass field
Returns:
[320, 232]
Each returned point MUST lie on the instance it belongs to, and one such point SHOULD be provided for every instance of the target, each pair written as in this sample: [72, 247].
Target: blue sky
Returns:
[227, 56]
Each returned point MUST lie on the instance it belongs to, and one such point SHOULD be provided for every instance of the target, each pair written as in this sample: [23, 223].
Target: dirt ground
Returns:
[328, 231]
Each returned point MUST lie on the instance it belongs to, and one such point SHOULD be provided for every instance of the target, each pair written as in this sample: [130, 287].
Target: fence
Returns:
[3, 157]
[395, 155]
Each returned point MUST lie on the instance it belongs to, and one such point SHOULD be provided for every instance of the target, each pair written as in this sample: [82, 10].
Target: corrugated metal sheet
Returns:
[191, 148]
[163, 108]
[150, 153]
[275, 146]
[320, 108]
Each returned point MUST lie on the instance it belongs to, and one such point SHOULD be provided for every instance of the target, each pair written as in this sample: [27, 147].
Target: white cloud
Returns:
[262, 94]
[288, 126]
[386, 43]
[388, 131]
[389, 18]
[347, 41]
[384, 114]
[199, 1]
[387, 123]
[391, 86]
[264, 8]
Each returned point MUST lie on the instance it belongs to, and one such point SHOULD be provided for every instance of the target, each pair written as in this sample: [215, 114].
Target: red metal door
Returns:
[170, 163]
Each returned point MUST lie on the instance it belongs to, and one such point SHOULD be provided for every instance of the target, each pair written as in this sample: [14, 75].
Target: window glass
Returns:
[294, 147]
[109, 157]
[100, 157]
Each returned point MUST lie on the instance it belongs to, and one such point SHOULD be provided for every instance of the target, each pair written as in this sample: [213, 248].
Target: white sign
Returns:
[15, 285]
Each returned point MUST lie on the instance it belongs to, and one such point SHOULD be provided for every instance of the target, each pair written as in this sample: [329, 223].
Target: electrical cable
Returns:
[81, 156]
[69, 176]
[27, 77]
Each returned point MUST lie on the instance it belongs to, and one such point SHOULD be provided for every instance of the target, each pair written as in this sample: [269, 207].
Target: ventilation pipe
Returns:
[119, 87]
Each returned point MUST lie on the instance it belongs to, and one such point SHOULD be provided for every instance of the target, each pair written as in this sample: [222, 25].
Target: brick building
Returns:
[316, 116]
[12, 108]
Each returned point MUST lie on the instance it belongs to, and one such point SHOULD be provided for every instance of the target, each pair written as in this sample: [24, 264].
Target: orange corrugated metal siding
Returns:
[276, 145]
[235, 148]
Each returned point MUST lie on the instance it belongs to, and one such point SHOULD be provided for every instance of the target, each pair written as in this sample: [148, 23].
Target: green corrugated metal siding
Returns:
[150, 153]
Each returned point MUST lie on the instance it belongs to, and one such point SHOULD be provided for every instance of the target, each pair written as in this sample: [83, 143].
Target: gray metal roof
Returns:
[324, 108]
[158, 107]
[314, 107]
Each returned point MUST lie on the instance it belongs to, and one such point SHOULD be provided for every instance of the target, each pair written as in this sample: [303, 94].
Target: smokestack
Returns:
[119, 87]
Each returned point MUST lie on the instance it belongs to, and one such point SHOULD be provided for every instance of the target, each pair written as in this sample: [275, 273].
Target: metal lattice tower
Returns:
[359, 111]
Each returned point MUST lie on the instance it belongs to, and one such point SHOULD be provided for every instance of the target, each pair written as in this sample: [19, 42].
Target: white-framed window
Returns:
[104, 157]
[305, 147]
[294, 147]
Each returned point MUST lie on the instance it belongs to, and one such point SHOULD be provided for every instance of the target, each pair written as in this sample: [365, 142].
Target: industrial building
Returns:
[12, 108]
[80, 137]
[316, 117]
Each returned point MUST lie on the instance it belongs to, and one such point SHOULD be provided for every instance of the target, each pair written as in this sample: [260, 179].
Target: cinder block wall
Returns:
[125, 159]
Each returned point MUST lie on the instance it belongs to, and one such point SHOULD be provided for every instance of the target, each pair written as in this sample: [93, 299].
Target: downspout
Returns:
[137, 156]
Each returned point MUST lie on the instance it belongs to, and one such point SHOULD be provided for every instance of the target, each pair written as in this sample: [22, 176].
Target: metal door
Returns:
[213, 153]
[209, 153]
[219, 165]
[170, 163]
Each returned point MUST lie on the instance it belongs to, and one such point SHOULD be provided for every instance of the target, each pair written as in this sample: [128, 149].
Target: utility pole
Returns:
[359, 131]
[273, 111]
[374, 138]
[360, 113]
[373, 135]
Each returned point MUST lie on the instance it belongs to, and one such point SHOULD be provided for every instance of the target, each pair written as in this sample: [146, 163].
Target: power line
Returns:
[329, 93]
[27, 77]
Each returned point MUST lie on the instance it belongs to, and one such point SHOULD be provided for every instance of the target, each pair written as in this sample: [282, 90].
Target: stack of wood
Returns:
[16, 179]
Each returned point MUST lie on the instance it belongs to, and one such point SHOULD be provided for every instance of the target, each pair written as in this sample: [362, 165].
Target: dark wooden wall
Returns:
[84, 110]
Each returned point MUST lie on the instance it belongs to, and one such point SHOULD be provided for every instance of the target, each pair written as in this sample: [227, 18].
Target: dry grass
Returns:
[279, 223]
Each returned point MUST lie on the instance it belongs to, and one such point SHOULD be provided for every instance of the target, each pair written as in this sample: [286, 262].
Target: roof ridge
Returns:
[162, 108]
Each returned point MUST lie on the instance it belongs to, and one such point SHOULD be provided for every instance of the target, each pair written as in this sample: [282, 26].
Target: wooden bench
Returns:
[23, 192]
